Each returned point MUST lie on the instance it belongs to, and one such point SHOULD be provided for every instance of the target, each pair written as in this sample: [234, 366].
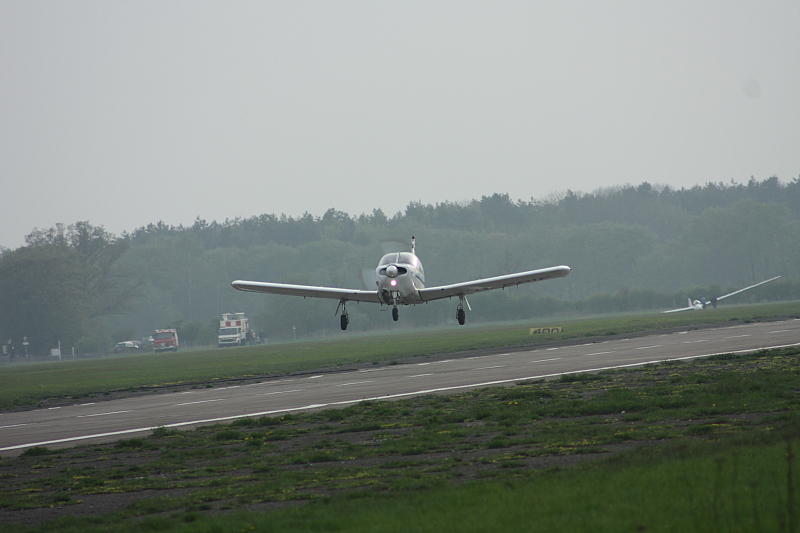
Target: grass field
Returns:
[31, 384]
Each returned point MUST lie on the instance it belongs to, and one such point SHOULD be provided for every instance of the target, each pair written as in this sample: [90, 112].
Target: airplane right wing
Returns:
[499, 282]
[750, 287]
[307, 291]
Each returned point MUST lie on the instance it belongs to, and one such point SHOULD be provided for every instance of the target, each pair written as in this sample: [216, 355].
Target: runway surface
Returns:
[136, 416]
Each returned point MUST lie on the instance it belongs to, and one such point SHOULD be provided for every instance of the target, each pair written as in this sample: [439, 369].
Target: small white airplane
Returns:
[400, 280]
[701, 304]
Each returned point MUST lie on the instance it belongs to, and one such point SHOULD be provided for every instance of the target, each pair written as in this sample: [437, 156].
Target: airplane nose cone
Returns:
[391, 271]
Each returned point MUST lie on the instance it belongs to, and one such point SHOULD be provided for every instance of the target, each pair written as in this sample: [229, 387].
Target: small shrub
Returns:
[36, 451]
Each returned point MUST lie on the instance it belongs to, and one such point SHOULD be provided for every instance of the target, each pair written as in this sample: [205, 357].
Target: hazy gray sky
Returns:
[129, 112]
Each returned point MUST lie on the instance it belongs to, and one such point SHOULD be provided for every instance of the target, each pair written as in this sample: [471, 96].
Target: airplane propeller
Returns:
[368, 278]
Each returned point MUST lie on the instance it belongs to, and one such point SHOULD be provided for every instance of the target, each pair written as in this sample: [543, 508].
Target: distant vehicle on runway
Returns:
[400, 280]
[127, 346]
[234, 330]
[165, 340]
[702, 303]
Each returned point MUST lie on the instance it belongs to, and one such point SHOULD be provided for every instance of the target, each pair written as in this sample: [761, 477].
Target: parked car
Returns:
[127, 346]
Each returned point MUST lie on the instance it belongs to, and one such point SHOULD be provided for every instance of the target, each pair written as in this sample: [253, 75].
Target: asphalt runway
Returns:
[106, 421]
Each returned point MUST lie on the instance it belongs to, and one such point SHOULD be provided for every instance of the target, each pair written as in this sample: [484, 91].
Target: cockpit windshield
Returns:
[406, 258]
[388, 259]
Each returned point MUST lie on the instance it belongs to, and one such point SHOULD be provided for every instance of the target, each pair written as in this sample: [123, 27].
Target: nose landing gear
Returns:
[395, 314]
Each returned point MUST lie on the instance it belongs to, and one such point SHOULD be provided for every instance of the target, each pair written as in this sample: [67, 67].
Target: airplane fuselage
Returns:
[400, 277]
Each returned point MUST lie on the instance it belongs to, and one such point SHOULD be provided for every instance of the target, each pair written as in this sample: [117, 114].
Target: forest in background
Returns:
[630, 248]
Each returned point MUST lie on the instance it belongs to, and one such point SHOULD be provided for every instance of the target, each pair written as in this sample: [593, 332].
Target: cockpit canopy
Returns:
[406, 258]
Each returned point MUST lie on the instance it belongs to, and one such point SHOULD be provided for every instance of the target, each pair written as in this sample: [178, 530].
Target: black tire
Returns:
[343, 321]
[461, 316]
[395, 314]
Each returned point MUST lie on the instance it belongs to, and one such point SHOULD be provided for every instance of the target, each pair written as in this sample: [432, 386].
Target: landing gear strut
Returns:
[461, 316]
[344, 319]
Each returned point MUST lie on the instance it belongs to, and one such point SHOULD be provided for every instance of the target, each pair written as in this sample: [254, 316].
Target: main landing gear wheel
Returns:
[461, 315]
[395, 314]
[344, 320]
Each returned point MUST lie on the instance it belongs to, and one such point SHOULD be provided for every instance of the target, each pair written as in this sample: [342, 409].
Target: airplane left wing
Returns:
[499, 282]
[690, 308]
[307, 291]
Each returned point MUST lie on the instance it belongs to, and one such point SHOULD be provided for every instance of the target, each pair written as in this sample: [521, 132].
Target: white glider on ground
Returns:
[400, 280]
[702, 303]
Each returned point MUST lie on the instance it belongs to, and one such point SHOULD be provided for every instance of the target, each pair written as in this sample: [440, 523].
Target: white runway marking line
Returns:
[692, 342]
[13, 426]
[650, 347]
[201, 401]
[269, 383]
[488, 367]
[281, 392]
[355, 383]
[737, 336]
[315, 377]
[231, 387]
[103, 414]
[545, 360]
[597, 353]
[420, 375]
[779, 331]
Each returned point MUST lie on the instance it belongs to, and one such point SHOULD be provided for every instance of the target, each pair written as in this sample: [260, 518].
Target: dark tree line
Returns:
[630, 247]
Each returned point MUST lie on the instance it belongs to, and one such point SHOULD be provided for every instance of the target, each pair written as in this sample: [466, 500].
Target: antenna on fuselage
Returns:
[413, 245]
